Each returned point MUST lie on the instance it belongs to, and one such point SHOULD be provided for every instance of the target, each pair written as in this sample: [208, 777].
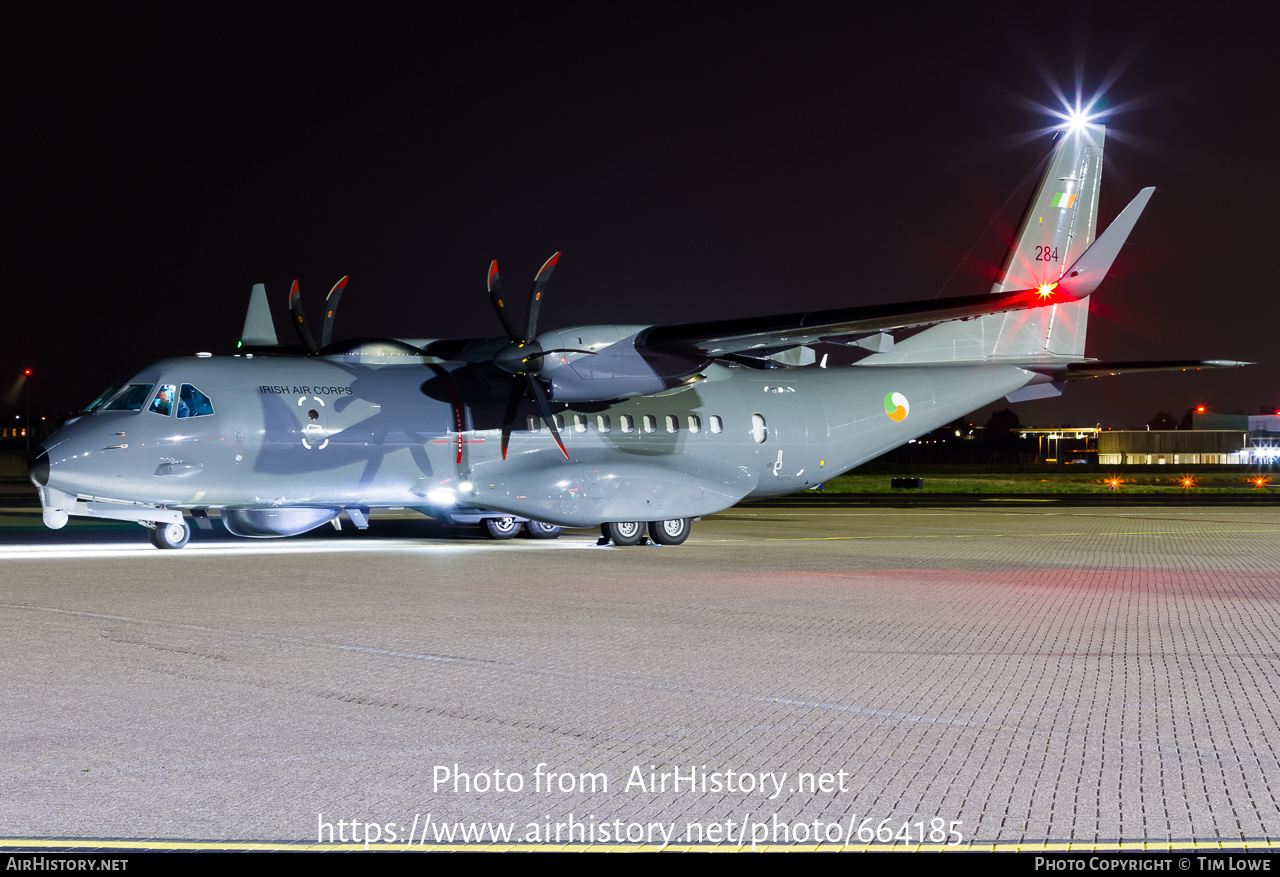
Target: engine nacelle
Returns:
[615, 368]
[269, 523]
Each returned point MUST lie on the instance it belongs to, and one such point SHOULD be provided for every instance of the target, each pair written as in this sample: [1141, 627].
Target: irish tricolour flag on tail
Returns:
[1064, 199]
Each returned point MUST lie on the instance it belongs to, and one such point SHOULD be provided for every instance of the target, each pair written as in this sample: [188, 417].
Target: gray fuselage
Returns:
[334, 433]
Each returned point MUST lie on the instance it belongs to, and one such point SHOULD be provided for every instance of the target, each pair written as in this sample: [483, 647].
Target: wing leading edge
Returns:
[722, 337]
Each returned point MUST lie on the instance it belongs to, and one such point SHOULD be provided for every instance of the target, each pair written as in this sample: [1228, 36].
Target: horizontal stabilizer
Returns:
[259, 330]
[1079, 370]
[1036, 391]
[1084, 276]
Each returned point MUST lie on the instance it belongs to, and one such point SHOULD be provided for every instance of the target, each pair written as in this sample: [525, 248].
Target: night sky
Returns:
[690, 165]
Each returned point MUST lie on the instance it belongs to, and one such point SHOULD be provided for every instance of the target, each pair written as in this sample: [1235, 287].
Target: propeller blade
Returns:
[499, 305]
[331, 308]
[300, 319]
[514, 398]
[535, 297]
[522, 358]
[540, 396]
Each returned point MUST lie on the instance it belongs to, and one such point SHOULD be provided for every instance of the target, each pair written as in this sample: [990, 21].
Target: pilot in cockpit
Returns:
[163, 403]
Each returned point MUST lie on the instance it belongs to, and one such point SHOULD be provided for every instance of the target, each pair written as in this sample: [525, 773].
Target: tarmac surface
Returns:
[1001, 676]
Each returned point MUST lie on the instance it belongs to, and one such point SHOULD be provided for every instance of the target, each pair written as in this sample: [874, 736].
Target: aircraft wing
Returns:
[720, 337]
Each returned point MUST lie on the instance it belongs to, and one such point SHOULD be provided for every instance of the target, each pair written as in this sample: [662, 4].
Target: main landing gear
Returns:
[508, 528]
[620, 533]
[672, 532]
[169, 535]
[539, 530]
[501, 528]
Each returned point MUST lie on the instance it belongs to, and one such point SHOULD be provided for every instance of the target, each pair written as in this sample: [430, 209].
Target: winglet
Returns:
[1087, 272]
[259, 330]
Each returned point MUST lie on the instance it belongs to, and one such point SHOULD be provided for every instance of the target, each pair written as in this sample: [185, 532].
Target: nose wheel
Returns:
[170, 535]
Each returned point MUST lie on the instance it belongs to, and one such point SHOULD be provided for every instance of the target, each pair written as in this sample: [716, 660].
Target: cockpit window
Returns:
[193, 403]
[162, 404]
[102, 399]
[131, 398]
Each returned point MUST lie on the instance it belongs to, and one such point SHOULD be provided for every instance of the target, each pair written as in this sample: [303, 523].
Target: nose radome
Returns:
[38, 469]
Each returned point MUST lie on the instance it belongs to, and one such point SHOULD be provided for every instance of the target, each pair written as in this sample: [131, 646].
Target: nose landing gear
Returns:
[170, 535]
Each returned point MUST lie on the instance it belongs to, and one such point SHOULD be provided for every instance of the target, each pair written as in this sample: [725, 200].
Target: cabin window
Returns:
[132, 398]
[673, 423]
[535, 425]
[559, 419]
[695, 423]
[717, 425]
[602, 422]
[579, 424]
[193, 403]
[627, 423]
[650, 423]
[759, 429]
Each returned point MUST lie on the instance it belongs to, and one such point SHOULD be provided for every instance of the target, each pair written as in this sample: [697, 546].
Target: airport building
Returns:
[1224, 439]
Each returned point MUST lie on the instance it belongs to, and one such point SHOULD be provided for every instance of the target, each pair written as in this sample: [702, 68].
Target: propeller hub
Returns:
[520, 358]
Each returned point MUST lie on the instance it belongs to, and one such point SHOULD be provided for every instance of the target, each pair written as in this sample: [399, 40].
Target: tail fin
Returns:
[259, 331]
[1061, 221]
[1057, 229]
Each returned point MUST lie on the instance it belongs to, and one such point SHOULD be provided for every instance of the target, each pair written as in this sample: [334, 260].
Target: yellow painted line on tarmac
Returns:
[103, 846]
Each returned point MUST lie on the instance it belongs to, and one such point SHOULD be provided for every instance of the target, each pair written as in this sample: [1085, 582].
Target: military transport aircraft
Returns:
[626, 427]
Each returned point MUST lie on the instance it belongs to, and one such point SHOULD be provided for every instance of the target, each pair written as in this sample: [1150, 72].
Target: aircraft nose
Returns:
[38, 469]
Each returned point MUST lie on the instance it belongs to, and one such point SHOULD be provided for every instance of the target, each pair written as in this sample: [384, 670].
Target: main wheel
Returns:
[170, 535]
[501, 528]
[671, 532]
[623, 532]
[539, 530]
